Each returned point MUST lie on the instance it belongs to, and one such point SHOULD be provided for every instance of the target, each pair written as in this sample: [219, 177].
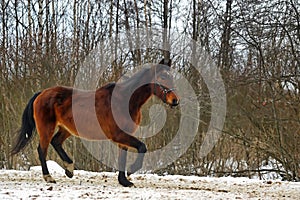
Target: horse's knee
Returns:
[142, 148]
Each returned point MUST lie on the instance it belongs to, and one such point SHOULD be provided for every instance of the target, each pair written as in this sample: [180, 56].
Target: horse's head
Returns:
[163, 86]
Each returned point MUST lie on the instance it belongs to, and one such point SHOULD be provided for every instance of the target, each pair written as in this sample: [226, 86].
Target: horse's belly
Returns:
[92, 135]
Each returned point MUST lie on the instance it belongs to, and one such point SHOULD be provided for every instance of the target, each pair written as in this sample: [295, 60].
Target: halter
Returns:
[164, 89]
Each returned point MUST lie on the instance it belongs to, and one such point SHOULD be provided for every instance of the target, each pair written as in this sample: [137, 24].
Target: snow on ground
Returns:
[91, 185]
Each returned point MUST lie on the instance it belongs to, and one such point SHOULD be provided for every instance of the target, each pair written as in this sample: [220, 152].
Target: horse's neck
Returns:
[140, 97]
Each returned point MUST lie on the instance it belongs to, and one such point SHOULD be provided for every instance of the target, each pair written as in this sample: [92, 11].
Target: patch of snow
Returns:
[104, 185]
[53, 168]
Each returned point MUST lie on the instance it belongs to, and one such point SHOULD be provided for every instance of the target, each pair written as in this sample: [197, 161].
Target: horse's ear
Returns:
[167, 62]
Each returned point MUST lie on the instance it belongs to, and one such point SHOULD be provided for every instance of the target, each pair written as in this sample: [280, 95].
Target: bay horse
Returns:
[51, 111]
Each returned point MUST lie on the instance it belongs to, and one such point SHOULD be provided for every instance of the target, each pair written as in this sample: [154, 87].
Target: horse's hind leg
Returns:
[56, 142]
[42, 150]
[42, 156]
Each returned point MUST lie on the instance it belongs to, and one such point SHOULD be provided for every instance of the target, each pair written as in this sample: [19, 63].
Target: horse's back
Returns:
[82, 113]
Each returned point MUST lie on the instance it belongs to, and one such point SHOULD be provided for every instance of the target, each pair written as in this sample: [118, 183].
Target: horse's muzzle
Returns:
[175, 103]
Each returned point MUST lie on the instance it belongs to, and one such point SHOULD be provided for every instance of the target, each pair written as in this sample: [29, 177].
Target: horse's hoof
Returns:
[48, 178]
[125, 182]
[69, 174]
[130, 184]
[69, 169]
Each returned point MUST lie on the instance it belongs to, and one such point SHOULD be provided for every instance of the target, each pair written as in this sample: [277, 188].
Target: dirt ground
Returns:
[92, 185]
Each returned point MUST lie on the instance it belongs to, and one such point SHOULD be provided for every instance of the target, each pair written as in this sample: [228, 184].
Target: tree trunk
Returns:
[166, 44]
[128, 33]
[225, 51]
[40, 27]
[137, 49]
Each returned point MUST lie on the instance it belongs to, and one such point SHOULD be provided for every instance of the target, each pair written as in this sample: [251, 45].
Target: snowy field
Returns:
[91, 185]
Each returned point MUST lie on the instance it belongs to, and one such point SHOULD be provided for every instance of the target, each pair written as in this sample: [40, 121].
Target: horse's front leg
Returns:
[124, 139]
[137, 165]
[122, 167]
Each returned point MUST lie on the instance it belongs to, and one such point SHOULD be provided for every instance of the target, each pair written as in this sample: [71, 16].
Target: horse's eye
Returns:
[164, 76]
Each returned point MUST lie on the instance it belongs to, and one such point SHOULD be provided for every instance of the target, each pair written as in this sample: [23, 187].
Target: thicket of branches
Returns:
[255, 45]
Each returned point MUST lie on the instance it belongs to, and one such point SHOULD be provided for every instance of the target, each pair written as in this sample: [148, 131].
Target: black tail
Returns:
[28, 125]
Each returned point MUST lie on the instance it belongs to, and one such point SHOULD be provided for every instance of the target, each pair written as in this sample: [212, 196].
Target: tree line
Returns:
[255, 45]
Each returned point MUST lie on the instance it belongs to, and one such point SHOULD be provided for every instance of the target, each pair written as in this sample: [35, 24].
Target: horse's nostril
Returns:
[174, 102]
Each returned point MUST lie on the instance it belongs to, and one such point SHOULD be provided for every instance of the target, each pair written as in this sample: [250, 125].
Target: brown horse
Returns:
[51, 112]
